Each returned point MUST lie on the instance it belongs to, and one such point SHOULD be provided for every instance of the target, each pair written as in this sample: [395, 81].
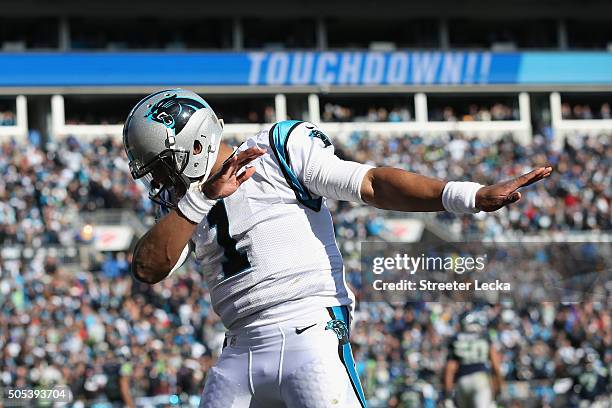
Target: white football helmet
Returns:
[172, 139]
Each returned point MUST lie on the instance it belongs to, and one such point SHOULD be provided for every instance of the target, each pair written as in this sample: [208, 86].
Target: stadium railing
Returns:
[520, 128]
[567, 126]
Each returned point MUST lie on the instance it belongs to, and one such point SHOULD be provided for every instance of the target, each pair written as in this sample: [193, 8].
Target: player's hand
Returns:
[227, 180]
[492, 198]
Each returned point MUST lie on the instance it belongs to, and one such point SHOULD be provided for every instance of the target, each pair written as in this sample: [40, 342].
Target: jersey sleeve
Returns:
[313, 170]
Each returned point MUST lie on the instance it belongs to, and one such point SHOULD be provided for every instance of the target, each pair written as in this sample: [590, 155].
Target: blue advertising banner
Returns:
[360, 68]
[377, 68]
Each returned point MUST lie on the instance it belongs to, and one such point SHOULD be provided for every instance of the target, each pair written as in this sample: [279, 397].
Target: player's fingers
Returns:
[229, 166]
[248, 156]
[233, 164]
[528, 178]
[548, 171]
[230, 158]
[542, 175]
[531, 177]
[245, 175]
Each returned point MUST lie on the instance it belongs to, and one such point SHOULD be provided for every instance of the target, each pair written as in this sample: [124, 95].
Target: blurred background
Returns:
[462, 90]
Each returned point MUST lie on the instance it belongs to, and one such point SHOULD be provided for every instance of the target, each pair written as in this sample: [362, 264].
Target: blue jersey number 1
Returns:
[235, 261]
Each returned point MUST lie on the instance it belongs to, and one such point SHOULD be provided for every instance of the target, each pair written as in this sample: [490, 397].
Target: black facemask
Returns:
[163, 177]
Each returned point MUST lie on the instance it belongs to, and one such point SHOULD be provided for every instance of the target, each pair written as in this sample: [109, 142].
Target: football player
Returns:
[257, 222]
[592, 381]
[471, 357]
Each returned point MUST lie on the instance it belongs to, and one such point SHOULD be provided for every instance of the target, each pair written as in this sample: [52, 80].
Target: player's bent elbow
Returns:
[155, 260]
[147, 275]
[147, 270]
[367, 188]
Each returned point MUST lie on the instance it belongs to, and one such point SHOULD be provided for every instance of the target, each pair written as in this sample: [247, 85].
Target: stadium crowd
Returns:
[584, 111]
[335, 112]
[479, 113]
[42, 191]
[7, 118]
[401, 350]
[90, 328]
[577, 197]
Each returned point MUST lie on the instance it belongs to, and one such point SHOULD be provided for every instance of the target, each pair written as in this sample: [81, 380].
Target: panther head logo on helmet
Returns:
[174, 112]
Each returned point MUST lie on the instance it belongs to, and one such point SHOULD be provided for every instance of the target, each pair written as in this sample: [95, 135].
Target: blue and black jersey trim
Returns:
[279, 136]
[340, 314]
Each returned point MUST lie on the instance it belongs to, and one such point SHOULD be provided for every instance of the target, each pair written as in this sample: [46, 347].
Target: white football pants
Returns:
[300, 363]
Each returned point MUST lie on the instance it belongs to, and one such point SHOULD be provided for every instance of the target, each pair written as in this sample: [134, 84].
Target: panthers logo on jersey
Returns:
[320, 135]
[174, 112]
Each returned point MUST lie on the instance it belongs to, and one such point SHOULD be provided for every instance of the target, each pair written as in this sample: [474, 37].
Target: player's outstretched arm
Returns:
[163, 248]
[395, 189]
[400, 190]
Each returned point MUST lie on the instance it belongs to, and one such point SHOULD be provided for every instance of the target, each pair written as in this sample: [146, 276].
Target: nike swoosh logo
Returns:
[303, 329]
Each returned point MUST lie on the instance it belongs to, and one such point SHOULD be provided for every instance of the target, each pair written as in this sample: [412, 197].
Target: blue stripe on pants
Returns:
[346, 354]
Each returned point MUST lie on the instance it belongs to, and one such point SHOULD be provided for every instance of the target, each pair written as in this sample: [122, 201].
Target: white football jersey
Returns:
[269, 248]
